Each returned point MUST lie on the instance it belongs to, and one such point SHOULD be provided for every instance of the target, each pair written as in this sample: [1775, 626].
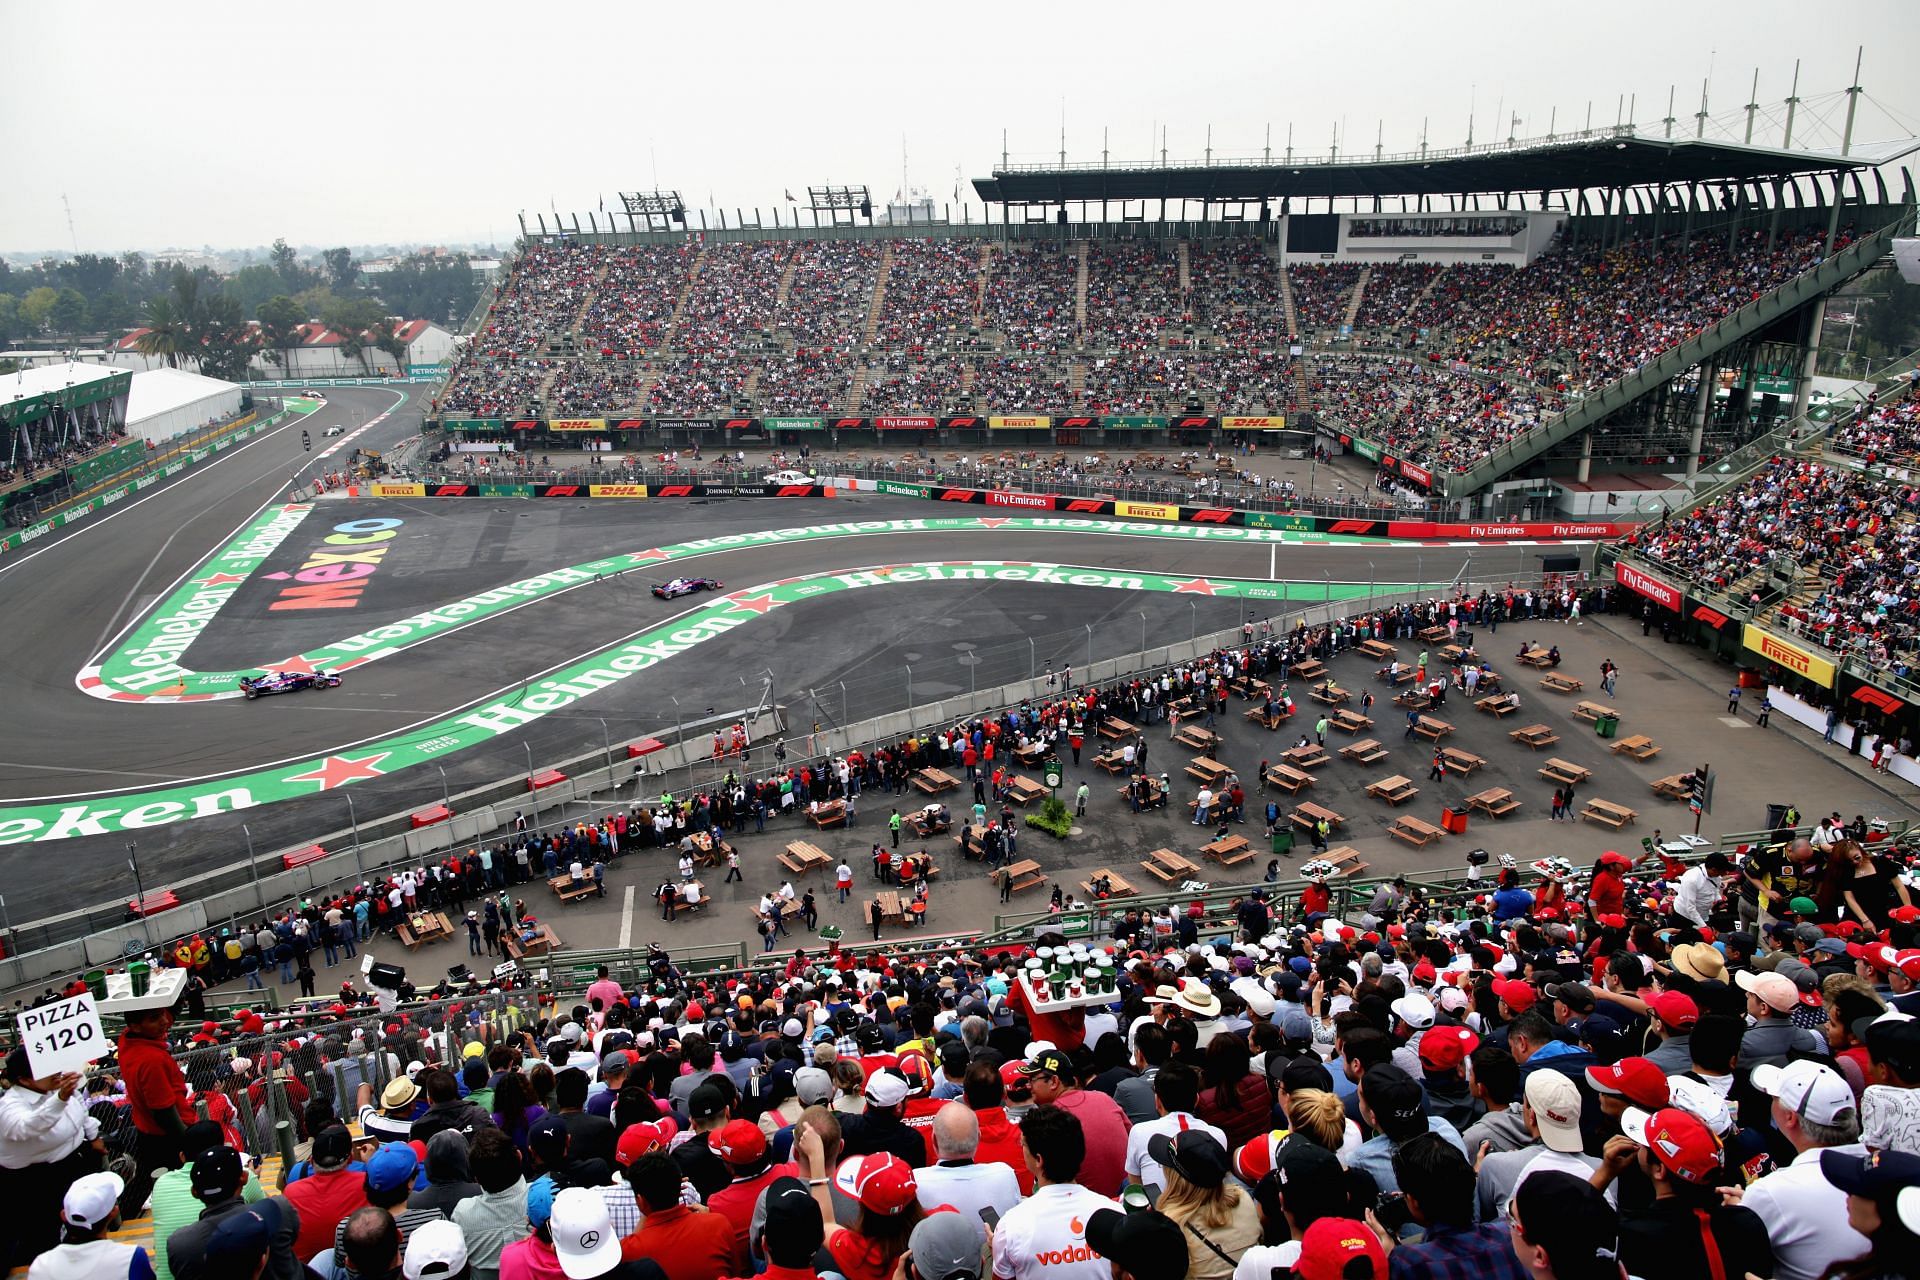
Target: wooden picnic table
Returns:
[1202, 740]
[1308, 669]
[1415, 832]
[1250, 687]
[1592, 711]
[1461, 761]
[890, 908]
[1288, 778]
[1436, 635]
[934, 781]
[1329, 693]
[926, 823]
[1495, 802]
[801, 857]
[829, 813]
[1639, 746]
[1558, 770]
[1111, 761]
[1414, 699]
[1117, 885]
[1114, 727]
[1365, 751]
[1535, 658]
[1228, 851]
[971, 839]
[1347, 720]
[1431, 729]
[1269, 720]
[1025, 874]
[1033, 755]
[1023, 790]
[567, 891]
[1345, 860]
[1378, 650]
[1171, 867]
[1455, 653]
[1311, 756]
[1155, 793]
[1559, 683]
[519, 947]
[1535, 736]
[1496, 705]
[1608, 814]
[1394, 790]
[1207, 770]
[1306, 813]
[1676, 786]
[1397, 676]
[423, 927]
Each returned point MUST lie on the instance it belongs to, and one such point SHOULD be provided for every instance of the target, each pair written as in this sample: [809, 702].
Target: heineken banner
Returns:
[1132, 422]
[902, 490]
[906, 422]
[474, 424]
[1366, 449]
[793, 424]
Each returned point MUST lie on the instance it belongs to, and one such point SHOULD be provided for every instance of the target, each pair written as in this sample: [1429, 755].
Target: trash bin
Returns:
[1776, 816]
[1282, 841]
[1455, 822]
[1606, 726]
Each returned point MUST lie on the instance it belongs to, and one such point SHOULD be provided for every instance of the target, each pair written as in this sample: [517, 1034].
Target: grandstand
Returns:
[61, 427]
[1470, 341]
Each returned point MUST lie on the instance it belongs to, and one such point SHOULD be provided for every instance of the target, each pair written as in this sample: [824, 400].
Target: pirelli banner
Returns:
[399, 491]
[1019, 422]
[1253, 424]
[1146, 510]
[576, 424]
[1783, 653]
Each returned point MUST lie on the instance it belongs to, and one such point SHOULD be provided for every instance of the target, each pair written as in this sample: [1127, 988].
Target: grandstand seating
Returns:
[1445, 364]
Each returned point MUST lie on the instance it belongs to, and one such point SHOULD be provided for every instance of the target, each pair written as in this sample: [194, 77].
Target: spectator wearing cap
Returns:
[446, 1109]
[1443, 1055]
[1051, 1076]
[743, 1147]
[497, 1216]
[437, 1251]
[1771, 1038]
[1812, 1108]
[1038, 1239]
[219, 1178]
[1147, 1245]
[955, 1177]
[1673, 1016]
[879, 1127]
[1688, 1231]
[605, 1091]
[392, 1120]
[329, 1194]
[1563, 1229]
[1176, 1088]
[1221, 1221]
[174, 1203]
[947, 1246]
[688, 1244]
[1438, 1183]
[45, 1137]
[390, 1175]
[710, 1108]
[791, 1231]
[1883, 1204]
[1392, 1104]
[1552, 1109]
[1413, 1014]
[90, 1210]
[1630, 1082]
[585, 1243]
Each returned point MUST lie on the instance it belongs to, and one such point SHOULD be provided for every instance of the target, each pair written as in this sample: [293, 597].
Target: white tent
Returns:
[165, 403]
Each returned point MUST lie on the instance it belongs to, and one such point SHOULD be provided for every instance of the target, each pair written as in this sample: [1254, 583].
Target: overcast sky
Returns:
[225, 124]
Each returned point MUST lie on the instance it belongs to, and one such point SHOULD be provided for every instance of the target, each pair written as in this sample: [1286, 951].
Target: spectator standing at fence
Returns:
[47, 1142]
[157, 1096]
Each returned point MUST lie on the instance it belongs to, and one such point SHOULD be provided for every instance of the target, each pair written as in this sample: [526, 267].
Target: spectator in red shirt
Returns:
[1055, 1083]
[999, 1136]
[157, 1092]
[689, 1244]
[743, 1147]
[327, 1195]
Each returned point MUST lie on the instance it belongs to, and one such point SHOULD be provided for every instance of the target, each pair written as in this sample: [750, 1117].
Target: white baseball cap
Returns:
[436, 1248]
[1555, 1101]
[583, 1234]
[1811, 1090]
[90, 1200]
[1415, 1010]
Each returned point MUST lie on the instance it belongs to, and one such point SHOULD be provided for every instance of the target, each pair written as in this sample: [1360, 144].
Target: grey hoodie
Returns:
[448, 1182]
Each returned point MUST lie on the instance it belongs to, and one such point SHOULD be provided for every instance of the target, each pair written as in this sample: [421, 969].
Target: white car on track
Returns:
[788, 477]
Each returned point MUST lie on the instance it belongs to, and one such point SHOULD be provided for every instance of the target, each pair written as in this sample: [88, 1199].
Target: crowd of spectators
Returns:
[1887, 433]
[1322, 293]
[804, 381]
[914, 382]
[1029, 298]
[730, 307]
[932, 294]
[495, 386]
[1235, 292]
[1133, 295]
[628, 314]
[1392, 290]
[1439, 415]
[831, 292]
[543, 297]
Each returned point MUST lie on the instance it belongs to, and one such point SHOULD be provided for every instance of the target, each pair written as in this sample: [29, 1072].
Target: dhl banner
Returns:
[1792, 657]
[616, 491]
[1025, 422]
[577, 424]
[399, 491]
[1146, 511]
[1253, 424]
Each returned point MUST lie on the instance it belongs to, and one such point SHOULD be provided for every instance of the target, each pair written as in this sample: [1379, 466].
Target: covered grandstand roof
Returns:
[47, 378]
[159, 391]
[1603, 159]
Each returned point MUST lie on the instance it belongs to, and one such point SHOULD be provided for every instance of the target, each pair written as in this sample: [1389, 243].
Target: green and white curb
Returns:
[508, 711]
[145, 666]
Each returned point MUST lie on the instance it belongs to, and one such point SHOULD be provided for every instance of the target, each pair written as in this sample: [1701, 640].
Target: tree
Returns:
[166, 334]
[89, 274]
[351, 318]
[280, 320]
[36, 307]
[343, 273]
[68, 315]
[226, 343]
[251, 286]
[11, 324]
[385, 338]
[286, 265]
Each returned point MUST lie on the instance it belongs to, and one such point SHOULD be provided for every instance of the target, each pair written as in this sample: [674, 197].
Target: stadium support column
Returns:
[1702, 399]
[1809, 357]
[1586, 455]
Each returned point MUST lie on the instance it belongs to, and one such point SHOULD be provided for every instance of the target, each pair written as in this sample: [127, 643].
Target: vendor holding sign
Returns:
[47, 1139]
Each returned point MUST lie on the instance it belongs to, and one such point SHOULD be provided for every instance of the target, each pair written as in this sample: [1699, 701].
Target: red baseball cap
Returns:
[1612, 920]
[1255, 1160]
[1678, 1139]
[1013, 1073]
[1638, 1080]
[1444, 1048]
[882, 1183]
[1519, 995]
[1675, 1009]
[739, 1142]
[1877, 954]
[645, 1138]
[1330, 1247]
[1908, 962]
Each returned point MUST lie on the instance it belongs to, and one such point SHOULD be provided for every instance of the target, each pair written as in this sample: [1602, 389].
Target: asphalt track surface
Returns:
[828, 659]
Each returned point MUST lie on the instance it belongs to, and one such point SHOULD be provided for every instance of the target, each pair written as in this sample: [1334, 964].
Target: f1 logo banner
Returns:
[959, 495]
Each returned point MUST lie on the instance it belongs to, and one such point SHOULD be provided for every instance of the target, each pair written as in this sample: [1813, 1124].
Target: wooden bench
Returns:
[1405, 675]
[1311, 756]
[567, 891]
[1415, 832]
[1365, 751]
[1033, 755]
[1170, 867]
[1345, 861]
[1496, 705]
[924, 824]
[1558, 770]
[1111, 761]
[1608, 814]
[1639, 746]
[1535, 736]
[1395, 790]
[305, 855]
[1436, 635]
[934, 781]
[1678, 786]
[1268, 720]
[1414, 699]
[1431, 729]
[972, 841]
[1591, 711]
[1559, 683]
[1306, 814]
[1378, 650]
[831, 813]
[1155, 793]
[1348, 720]
[1461, 761]
[1024, 791]
[1229, 851]
[1457, 653]
[1495, 802]
[434, 926]
[1025, 874]
[1195, 738]
[1209, 772]
[1308, 669]
[1118, 886]
[1114, 727]
[1535, 658]
[1330, 694]
[1288, 779]
[802, 858]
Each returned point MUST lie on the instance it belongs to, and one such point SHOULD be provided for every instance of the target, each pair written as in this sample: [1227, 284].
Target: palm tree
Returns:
[167, 333]
[280, 321]
[386, 338]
